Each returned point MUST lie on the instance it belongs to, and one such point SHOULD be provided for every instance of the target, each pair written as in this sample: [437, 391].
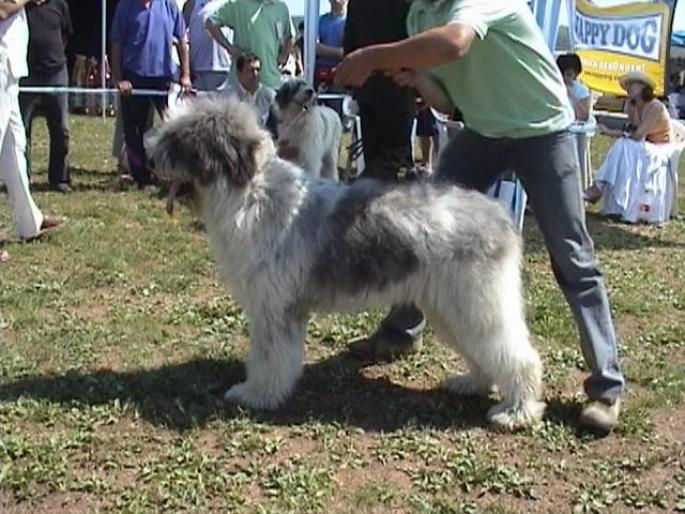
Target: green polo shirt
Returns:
[508, 84]
[260, 27]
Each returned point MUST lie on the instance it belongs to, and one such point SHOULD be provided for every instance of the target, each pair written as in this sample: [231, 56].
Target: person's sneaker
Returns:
[593, 194]
[601, 415]
[384, 346]
[62, 187]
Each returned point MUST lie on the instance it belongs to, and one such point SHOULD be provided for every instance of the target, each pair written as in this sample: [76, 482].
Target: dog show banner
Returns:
[612, 41]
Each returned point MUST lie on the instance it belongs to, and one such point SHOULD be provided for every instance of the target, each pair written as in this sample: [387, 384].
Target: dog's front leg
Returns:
[274, 363]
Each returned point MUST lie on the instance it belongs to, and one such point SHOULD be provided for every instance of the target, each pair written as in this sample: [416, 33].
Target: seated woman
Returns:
[632, 180]
[578, 94]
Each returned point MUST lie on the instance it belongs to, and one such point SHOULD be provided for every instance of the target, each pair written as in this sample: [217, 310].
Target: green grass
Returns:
[117, 342]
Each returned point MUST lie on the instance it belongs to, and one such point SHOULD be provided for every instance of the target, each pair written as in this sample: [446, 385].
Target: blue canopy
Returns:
[678, 38]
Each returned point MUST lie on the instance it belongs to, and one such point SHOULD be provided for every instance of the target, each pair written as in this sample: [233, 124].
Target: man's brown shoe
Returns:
[50, 224]
[601, 415]
[384, 346]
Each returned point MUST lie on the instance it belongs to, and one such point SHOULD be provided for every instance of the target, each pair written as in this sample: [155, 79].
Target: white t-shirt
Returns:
[14, 43]
[205, 53]
[578, 92]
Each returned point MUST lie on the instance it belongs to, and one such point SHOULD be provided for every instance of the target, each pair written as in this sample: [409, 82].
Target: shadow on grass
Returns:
[189, 395]
[607, 234]
[83, 180]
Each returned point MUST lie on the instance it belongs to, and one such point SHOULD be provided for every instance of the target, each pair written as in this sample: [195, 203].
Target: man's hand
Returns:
[186, 84]
[125, 87]
[7, 8]
[404, 77]
[354, 69]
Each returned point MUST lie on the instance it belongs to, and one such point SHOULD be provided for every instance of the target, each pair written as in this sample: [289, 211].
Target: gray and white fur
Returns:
[287, 244]
[307, 134]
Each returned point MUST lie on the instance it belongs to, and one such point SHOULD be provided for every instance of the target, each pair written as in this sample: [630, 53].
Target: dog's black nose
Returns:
[150, 164]
[309, 92]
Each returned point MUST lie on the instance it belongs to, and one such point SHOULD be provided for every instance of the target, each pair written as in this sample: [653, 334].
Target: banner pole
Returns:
[103, 58]
[667, 79]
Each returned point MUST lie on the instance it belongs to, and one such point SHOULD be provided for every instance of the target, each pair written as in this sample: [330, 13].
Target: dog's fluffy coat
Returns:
[307, 134]
[288, 244]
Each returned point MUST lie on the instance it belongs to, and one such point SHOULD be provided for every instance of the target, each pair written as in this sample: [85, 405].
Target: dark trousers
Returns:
[386, 139]
[135, 110]
[387, 146]
[56, 110]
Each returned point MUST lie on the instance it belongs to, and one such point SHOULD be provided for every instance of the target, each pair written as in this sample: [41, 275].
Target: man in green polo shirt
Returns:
[261, 27]
[489, 59]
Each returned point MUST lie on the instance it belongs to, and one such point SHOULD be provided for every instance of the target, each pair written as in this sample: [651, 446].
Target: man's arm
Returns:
[431, 92]
[329, 52]
[422, 51]
[215, 31]
[7, 9]
[124, 86]
[287, 38]
[286, 49]
[188, 10]
[581, 98]
[184, 58]
[67, 27]
[582, 109]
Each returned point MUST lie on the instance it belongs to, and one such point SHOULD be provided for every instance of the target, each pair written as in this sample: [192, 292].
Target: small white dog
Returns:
[308, 134]
[287, 244]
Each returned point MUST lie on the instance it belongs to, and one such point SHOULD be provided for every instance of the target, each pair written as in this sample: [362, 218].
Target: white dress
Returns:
[635, 175]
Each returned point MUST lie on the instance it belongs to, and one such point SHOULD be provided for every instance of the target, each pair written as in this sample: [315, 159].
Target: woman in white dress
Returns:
[632, 179]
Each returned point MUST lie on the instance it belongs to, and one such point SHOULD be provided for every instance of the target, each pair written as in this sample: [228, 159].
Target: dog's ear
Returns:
[209, 152]
[240, 163]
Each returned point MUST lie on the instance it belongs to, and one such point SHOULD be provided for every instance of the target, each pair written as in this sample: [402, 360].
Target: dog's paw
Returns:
[504, 416]
[469, 384]
[247, 396]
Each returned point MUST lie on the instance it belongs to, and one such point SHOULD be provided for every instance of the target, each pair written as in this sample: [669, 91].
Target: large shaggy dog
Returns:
[307, 134]
[288, 244]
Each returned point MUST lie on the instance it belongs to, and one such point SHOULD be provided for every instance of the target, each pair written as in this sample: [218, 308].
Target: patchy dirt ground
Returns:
[116, 344]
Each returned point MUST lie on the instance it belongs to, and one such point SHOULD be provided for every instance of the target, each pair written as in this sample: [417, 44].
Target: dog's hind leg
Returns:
[475, 382]
[512, 361]
[494, 340]
[274, 364]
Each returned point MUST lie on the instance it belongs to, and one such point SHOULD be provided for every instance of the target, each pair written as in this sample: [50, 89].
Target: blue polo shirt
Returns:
[146, 36]
[331, 33]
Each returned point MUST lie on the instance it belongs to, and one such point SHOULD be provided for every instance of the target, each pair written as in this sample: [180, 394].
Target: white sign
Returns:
[634, 36]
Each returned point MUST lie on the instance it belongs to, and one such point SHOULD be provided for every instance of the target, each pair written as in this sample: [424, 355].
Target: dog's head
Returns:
[206, 141]
[292, 98]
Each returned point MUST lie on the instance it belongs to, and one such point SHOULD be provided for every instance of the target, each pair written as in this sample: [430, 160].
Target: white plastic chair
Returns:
[507, 190]
[347, 109]
[584, 132]
[678, 129]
